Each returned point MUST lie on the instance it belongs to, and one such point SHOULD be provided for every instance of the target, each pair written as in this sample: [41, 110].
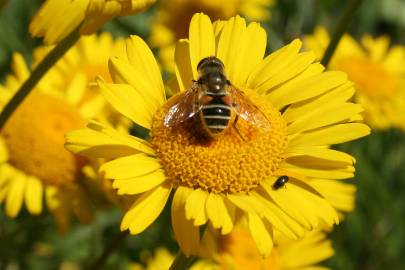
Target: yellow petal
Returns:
[129, 102]
[130, 166]
[311, 169]
[279, 219]
[289, 199]
[139, 184]
[183, 69]
[186, 234]
[307, 88]
[202, 40]
[260, 234]
[339, 95]
[323, 116]
[241, 49]
[321, 153]
[145, 209]
[340, 195]
[145, 73]
[15, 196]
[195, 207]
[296, 66]
[331, 135]
[104, 142]
[218, 214]
[273, 64]
[34, 195]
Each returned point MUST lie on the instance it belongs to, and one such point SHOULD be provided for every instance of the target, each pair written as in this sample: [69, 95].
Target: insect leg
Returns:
[237, 130]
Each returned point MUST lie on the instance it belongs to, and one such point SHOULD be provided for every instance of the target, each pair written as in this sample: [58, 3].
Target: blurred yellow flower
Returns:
[377, 71]
[57, 18]
[238, 251]
[170, 23]
[229, 179]
[33, 161]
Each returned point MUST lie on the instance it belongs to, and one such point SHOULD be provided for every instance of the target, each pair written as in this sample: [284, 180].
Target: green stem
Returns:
[36, 75]
[182, 262]
[342, 25]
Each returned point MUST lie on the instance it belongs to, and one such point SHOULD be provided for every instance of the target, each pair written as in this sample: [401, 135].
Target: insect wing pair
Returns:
[190, 103]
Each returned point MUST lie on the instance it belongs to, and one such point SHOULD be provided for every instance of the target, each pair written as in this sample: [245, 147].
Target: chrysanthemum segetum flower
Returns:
[33, 161]
[377, 71]
[57, 18]
[170, 23]
[238, 251]
[229, 179]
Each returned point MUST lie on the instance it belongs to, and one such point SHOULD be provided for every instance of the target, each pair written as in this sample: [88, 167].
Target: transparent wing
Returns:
[247, 110]
[183, 107]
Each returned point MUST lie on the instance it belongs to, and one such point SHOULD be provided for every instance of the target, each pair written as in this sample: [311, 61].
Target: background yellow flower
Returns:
[376, 68]
[57, 18]
[34, 163]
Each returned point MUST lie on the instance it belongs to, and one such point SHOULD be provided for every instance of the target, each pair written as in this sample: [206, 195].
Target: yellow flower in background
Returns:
[57, 18]
[238, 251]
[170, 23]
[33, 161]
[377, 71]
[229, 179]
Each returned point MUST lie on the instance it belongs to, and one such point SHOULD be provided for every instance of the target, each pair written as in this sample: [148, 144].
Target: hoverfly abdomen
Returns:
[216, 114]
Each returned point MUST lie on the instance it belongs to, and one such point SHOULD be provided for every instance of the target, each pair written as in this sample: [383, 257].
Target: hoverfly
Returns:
[214, 99]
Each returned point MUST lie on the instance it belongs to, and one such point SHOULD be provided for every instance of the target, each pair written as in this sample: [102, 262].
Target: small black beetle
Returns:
[280, 182]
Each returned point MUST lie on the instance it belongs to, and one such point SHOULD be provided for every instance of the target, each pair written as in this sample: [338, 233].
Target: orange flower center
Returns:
[236, 161]
[34, 137]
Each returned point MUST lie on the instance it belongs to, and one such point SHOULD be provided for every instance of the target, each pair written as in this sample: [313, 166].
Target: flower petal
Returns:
[202, 40]
[331, 135]
[145, 210]
[130, 166]
[139, 184]
[195, 207]
[34, 195]
[218, 214]
[15, 196]
[260, 234]
[323, 116]
[186, 234]
[307, 88]
[183, 69]
[104, 142]
[129, 102]
[241, 48]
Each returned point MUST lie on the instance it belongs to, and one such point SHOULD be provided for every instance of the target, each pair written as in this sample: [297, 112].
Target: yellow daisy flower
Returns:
[377, 71]
[170, 23]
[57, 18]
[33, 161]
[228, 179]
[238, 251]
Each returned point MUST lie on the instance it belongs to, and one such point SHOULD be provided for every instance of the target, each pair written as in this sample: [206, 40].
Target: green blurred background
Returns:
[372, 237]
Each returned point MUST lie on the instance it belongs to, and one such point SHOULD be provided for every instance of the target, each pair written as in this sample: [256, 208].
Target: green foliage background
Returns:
[371, 238]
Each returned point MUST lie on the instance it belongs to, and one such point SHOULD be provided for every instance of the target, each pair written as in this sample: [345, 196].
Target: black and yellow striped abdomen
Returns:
[216, 114]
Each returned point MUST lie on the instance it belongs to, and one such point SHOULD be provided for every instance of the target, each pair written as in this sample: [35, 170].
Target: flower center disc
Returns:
[228, 163]
[34, 136]
[371, 78]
